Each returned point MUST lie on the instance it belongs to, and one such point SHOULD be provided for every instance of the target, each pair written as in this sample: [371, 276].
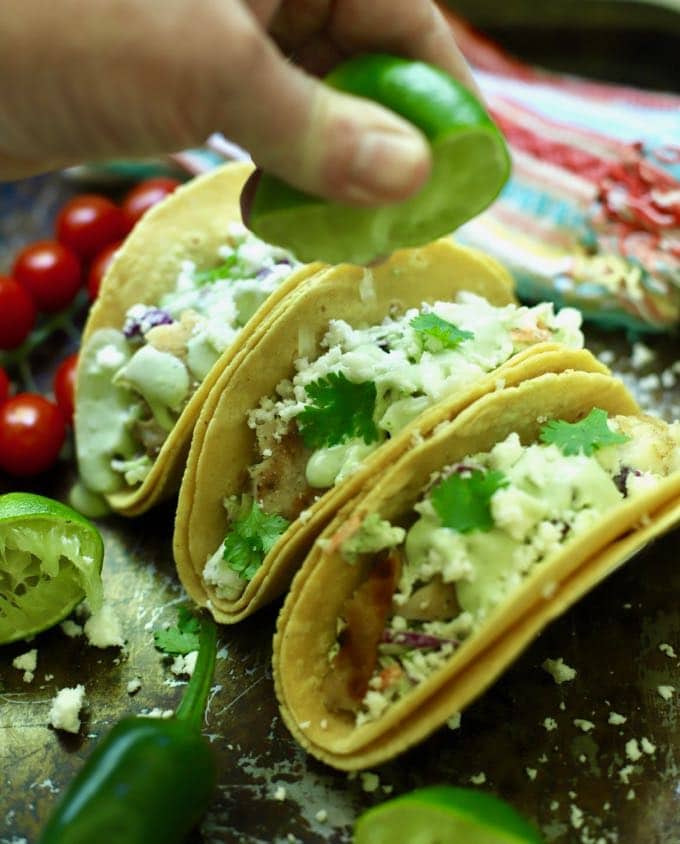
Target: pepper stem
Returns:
[192, 705]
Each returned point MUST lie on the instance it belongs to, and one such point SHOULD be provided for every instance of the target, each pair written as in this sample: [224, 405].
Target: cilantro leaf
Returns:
[586, 436]
[445, 334]
[229, 269]
[250, 538]
[340, 410]
[462, 502]
[181, 639]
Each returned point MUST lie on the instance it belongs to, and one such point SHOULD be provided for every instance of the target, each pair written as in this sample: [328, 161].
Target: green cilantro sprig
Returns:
[251, 537]
[462, 502]
[445, 334]
[340, 409]
[586, 436]
[182, 638]
[230, 268]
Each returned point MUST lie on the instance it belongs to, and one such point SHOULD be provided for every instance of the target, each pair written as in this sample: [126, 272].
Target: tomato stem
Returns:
[63, 321]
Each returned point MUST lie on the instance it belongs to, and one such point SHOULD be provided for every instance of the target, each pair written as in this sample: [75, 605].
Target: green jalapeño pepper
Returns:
[149, 780]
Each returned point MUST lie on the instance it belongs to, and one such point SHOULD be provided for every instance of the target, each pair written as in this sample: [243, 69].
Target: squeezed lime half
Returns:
[444, 815]
[50, 559]
[470, 165]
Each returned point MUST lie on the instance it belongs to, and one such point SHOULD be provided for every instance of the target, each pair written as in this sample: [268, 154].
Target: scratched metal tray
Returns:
[519, 740]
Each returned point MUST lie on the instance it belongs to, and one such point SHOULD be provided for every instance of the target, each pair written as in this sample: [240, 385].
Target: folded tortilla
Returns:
[132, 437]
[328, 643]
[227, 462]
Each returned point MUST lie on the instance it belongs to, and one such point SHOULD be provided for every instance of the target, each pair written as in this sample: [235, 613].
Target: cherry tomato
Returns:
[17, 313]
[88, 223]
[4, 386]
[147, 193]
[50, 272]
[32, 432]
[98, 268]
[65, 385]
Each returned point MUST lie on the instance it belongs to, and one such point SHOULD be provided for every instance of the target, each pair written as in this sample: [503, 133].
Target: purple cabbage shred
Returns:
[413, 639]
[137, 326]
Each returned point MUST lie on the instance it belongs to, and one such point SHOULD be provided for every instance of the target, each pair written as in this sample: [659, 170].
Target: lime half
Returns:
[444, 815]
[50, 559]
[470, 166]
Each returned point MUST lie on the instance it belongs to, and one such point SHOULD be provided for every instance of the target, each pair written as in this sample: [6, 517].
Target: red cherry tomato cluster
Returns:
[45, 278]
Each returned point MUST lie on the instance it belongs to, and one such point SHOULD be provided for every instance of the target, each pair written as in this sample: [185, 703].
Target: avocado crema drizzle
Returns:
[137, 381]
[473, 538]
[368, 385]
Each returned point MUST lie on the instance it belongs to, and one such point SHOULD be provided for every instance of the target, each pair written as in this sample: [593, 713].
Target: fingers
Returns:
[127, 81]
[320, 140]
[413, 28]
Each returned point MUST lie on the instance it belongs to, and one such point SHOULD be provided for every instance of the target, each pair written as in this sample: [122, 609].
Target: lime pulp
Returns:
[444, 815]
[50, 559]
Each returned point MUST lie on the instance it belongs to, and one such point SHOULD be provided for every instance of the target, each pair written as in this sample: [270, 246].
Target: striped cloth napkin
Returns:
[591, 214]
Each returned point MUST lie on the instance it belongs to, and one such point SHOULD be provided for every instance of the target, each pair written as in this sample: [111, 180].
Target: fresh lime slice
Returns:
[444, 815]
[470, 166]
[50, 559]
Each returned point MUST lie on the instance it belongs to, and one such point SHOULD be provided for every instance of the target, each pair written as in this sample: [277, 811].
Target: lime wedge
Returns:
[444, 815]
[50, 559]
[470, 166]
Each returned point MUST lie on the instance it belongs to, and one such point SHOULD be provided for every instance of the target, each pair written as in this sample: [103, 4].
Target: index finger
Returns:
[413, 28]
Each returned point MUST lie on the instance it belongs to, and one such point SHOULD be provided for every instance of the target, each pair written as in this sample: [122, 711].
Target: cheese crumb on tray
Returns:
[27, 663]
[103, 629]
[65, 710]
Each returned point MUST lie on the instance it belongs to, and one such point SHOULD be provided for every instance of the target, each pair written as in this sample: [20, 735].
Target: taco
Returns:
[428, 584]
[347, 374]
[184, 293]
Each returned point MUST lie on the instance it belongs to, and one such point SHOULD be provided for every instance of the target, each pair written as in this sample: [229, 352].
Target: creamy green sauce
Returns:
[135, 382]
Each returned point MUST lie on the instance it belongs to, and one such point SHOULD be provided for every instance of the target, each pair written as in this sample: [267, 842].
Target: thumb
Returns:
[323, 141]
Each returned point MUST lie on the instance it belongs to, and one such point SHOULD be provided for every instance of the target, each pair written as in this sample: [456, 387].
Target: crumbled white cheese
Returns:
[531, 773]
[453, 723]
[321, 816]
[71, 629]
[550, 724]
[667, 649]
[649, 382]
[631, 794]
[478, 779]
[369, 781]
[103, 629]
[134, 686]
[666, 692]
[27, 663]
[323, 723]
[642, 356]
[559, 670]
[647, 746]
[633, 751]
[280, 794]
[584, 725]
[184, 664]
[576, 816]
[615, 718]
[305, 725]
[65, 711]
[625, 772]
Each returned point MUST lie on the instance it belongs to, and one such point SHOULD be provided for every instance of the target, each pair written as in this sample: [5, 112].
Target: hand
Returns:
[85, 80]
